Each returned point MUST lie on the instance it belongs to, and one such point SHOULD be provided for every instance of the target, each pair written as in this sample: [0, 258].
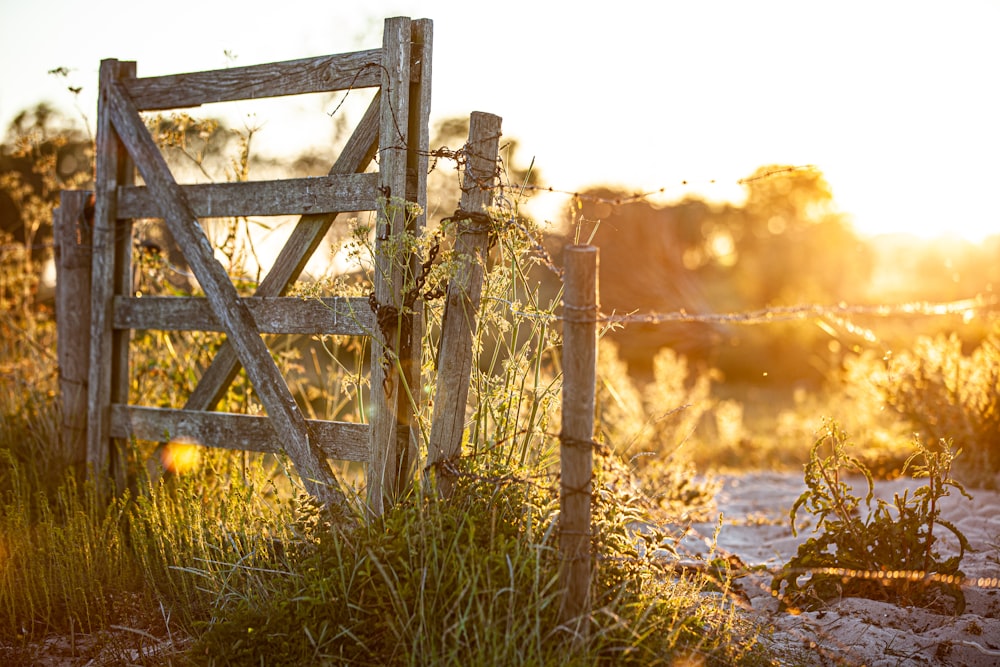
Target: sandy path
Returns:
[856, 631]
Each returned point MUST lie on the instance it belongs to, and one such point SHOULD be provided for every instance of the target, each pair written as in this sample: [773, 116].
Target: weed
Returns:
[886, 552]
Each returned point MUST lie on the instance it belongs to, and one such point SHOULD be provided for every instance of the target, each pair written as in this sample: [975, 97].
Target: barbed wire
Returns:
[648, 194]
[776, 314]
[753, 317]
[810, 311]
[497, 183]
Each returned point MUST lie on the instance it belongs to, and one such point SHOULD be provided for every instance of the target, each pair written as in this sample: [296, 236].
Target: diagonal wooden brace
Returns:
[231, 312]
[305, 238]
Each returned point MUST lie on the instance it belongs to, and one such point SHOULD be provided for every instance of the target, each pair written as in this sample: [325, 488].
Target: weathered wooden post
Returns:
[391, 445]
[73, 245]
[464, 293]
[110, 276]
[579, 361]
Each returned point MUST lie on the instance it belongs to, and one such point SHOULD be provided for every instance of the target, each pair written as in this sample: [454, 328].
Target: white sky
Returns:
[896, 102]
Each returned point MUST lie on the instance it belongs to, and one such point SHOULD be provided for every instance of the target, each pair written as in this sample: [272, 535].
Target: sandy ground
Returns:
[855, 631]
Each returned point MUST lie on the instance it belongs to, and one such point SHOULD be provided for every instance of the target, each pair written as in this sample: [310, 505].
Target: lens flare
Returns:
[181, 455]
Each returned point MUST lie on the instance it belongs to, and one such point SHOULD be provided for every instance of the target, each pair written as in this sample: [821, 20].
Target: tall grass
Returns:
[229, 562]
[946, 393]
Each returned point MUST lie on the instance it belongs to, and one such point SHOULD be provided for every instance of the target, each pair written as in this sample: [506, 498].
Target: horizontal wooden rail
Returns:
[340, 193]
[338, 440]
[341, 316]
[359, 69]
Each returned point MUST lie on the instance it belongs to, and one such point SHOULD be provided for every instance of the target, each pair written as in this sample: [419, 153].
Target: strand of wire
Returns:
[772, 315]
[460, 156]
[648, 194]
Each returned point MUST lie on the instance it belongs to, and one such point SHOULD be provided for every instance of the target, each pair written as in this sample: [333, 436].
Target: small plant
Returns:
[886, 552]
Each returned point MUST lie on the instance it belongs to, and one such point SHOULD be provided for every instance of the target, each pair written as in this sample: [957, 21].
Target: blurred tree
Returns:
[42, 153]
[786, 244]
[45, 152]
[790, 243]
[643, 267]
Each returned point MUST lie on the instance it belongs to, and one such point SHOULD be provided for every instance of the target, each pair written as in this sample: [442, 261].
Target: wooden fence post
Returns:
[579, 361]
[464, 293]
[390, 449]
[111, 275]
[73, 246]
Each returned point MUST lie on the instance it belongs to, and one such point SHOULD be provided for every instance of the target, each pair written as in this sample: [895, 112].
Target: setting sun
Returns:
[892, 101]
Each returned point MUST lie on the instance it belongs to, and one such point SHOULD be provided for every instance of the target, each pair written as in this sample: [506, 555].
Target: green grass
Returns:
[248, 575]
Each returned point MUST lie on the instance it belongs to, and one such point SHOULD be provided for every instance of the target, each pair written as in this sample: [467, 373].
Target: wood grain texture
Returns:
[340, 193]
[402, 104]
[384, 469]
[113, 169]
[339, 440]
[73, 254]
[408, 402]
[579, 363]
[273, 315]
[359, 69]
[231, 312]
[463, 297]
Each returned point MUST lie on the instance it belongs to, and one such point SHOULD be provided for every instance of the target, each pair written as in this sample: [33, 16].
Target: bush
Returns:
[947, 394]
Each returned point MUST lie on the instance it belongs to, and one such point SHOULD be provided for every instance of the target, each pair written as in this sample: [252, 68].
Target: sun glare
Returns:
[906, 203]
[181, 456]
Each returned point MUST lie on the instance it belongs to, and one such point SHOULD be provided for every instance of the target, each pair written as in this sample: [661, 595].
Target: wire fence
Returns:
[840, 313]
[645, 195]
[949, 585]
[967, 308]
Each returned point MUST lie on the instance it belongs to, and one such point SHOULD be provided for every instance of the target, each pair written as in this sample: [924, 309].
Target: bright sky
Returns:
[895, 101]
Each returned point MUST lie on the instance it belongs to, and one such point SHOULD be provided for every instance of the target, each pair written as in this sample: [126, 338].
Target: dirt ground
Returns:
[855, 631]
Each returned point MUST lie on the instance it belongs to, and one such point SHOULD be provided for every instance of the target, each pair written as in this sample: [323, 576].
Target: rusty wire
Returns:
[964, 307]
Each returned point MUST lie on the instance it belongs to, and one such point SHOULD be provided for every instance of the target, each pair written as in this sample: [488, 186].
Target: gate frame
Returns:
[396, 128]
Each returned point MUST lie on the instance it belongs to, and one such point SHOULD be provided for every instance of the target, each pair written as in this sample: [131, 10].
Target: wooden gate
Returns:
[395, 127]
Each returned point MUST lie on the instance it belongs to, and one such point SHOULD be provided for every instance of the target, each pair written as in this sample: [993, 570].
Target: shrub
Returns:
[946, 394]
